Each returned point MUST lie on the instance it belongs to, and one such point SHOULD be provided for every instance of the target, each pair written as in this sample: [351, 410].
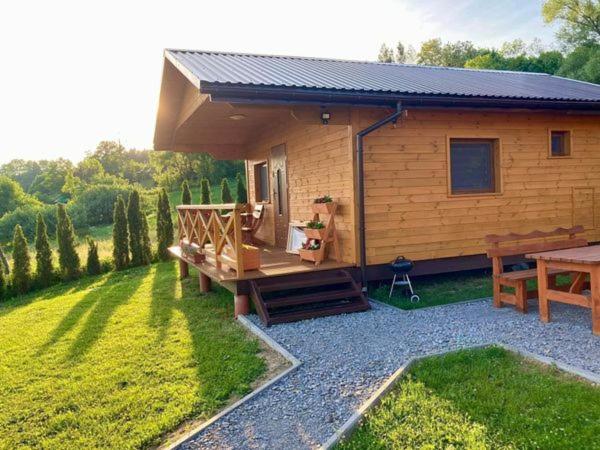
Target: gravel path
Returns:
[346, 358]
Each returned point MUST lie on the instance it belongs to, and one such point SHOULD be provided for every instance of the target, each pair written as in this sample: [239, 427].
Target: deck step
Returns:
[303, 296]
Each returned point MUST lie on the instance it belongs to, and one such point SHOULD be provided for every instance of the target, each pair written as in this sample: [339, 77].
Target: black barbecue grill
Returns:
[401, 266]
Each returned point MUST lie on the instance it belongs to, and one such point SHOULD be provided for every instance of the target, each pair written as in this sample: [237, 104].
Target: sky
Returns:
[74, 73]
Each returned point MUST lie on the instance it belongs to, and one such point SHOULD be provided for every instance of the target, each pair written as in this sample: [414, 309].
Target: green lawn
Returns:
[483, 399]
[118, 360]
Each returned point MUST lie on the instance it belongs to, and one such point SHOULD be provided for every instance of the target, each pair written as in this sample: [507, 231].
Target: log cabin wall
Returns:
[319, 162]
[408, 207]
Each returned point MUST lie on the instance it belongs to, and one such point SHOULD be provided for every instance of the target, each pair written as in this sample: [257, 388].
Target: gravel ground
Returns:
[346, 358]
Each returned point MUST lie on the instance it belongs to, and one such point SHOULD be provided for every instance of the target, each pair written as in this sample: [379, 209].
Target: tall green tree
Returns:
[241, 193]
[583, 63]
[43, 253]
[146, 243]
[205, 192]
[68, 258]
[226, 196]
[164, 225]
[186, 194]
[579, 19]
[134, 223]
[386, 54]
[4, 261]
[93, 261]
[3, 284]
[120, 235]
[21, 276]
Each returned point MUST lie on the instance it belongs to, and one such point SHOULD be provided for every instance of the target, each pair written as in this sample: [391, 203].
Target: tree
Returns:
[23, 172]
[431, 53]
[241, 193]
[2, 284]
[164, 225]
[134, 223]
[21, 276]
[146, 243]
[43, 253]
[47, 186]
[453, 54]
[583, 63]
[68, 258]
[12, 196]
[3, 261]
[186, 194]
[386, 54]
[73, 185]
[205, 192]
[120, 235]
[89, 170]
[580, 20]
[93, 261]
[226, 196]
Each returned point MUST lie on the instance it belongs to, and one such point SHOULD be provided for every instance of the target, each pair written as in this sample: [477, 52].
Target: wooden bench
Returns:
[513, 244]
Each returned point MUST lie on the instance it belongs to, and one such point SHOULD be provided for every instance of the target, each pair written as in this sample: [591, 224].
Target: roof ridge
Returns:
[354, 61]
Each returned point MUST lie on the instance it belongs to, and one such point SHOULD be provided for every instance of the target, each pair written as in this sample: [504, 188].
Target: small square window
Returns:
[560, 143]
[261, 182]
[473, 166]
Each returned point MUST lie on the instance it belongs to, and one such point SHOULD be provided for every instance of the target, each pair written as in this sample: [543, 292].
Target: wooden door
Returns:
[279, 186]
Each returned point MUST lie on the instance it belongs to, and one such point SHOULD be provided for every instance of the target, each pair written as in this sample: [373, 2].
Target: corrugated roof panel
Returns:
[315, 73]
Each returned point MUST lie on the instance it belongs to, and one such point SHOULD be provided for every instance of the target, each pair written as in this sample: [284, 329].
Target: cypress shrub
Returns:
[226, 196]
[241, 193]
[134, 223]
[164, 225]
[4, 261]
[146, 243]
[68, 258]
[21, 277]
[2, 284]
[43, 254]
[93, 261]
[120, 235]
[205, 192]
[186, 194]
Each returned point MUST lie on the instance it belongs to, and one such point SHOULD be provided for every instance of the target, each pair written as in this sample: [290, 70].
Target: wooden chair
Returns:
[252, 224]
[538, 241]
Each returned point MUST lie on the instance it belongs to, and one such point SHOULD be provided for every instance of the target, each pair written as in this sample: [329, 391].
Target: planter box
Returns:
[323, 208]
[251, 257]
[191, 252]
[315, 256]
[315, 233]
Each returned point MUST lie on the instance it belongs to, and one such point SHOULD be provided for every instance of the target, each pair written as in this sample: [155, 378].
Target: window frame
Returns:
[256, 167]
[496, 169]
[568, 143]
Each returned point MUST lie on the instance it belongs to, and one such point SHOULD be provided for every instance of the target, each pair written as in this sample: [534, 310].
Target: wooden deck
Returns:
[274, 262]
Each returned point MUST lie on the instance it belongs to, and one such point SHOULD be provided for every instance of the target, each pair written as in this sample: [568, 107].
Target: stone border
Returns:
[354, 421]
[295, 363]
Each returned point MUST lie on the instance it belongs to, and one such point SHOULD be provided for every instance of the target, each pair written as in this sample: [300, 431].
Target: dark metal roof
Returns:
[261, 71]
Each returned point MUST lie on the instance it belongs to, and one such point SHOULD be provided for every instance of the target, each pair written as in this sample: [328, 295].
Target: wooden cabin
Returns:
[422, 161]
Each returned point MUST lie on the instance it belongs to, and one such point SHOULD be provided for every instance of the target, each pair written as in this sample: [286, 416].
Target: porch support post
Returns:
[241, 305]
[204, 282]
[184, 269]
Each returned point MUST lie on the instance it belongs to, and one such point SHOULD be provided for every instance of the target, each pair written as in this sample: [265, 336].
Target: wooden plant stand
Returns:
[324, 236]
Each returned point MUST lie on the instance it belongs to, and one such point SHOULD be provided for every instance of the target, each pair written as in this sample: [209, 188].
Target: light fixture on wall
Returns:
[325, 116]
[237, 117]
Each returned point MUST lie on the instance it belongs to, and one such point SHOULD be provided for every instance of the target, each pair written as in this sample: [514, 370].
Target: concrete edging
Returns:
[271, 343]
[354, 421]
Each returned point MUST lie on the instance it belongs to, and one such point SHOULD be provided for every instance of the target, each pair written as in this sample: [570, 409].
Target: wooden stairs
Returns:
[289, 298]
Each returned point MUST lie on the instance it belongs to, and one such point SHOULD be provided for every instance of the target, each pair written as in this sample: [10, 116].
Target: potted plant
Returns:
[315, 229]
[192, 251]
[323, 205]
[311, 251]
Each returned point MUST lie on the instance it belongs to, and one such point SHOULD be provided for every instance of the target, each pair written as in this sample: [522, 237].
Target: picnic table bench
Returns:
[514, 244]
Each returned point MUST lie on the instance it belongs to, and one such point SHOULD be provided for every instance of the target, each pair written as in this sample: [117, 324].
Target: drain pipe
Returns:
[361, 187]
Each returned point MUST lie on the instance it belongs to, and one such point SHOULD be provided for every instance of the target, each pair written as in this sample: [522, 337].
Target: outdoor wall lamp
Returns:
[325, 116]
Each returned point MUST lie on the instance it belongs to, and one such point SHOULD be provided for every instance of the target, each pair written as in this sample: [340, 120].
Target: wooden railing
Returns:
[217, 229]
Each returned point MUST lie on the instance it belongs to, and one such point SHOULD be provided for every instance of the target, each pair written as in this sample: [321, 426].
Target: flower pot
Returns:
[315, 256]
[323, 208]
[315, 233]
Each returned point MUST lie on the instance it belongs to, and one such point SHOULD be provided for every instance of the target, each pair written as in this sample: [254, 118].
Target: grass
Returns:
[483, 399]
[118, 360]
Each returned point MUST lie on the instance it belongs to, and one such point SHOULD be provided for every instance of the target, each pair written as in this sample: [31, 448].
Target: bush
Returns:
[120, 236]
[241, 193]
[68, 258]
[2, 284]
[21, 276]
[26, 216]
[134, 223]
[205, 192]
[164, 225]
[186, 194]
[226, 196]
[93, 266]
[95, 205]
[43, 254]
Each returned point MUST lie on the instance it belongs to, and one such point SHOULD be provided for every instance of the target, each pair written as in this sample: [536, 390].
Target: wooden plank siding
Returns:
[319, 162]
[410, 212]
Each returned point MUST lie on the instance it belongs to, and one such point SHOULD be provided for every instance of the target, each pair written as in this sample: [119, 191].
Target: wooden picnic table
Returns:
[581, 261]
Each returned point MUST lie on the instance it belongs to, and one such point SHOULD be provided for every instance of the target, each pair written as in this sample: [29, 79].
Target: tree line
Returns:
[577, 58]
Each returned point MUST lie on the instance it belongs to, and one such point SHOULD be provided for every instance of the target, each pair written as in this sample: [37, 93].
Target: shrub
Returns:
[241, 193]
[226, 196]
[68, 258]
[95, 205]
[146, 243]
[164, 225]
[43, 254]
[186, 194]
[3, 261]
[205, 192]
[134, 223]
[120, 236]
[93, 262]
[21, 276]
[26, 216]
[2, 284]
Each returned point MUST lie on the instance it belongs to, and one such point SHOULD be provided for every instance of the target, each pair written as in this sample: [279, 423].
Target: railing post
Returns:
[237, 239]
[215, 233]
